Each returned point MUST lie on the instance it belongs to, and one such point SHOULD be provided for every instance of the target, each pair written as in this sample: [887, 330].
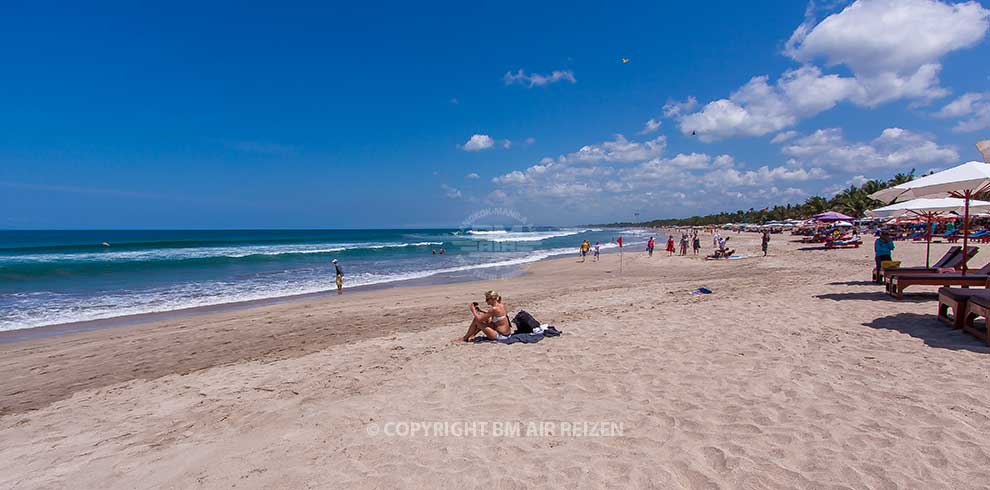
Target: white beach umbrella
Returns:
[919, 207]
[929, 208]
[963, 182]
[970, 177]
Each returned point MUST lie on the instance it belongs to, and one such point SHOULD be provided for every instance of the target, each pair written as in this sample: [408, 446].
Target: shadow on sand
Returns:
[856, 283]
[933, 332]
[880, 296]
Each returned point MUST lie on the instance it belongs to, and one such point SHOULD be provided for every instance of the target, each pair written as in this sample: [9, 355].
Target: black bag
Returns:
[525, 323]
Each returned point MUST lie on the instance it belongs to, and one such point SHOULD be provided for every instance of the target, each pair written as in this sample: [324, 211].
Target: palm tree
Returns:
[816, 204]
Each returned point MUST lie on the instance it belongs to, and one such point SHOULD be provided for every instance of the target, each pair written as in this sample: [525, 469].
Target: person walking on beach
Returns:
[585, 246]
[696, 243]
[716, 237]
[766, 242]
[684, 244]
[598, 246]
[649, 246]
[670, 245]
[340, 277]
[882, 249]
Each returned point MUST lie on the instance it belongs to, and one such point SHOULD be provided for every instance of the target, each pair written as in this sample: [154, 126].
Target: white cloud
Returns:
[884, 36]
[478, 142]
[759, 108]
[783, 136]
[892, 48]
[530, 140]
[497, 196]
[973, 108]
[506, 144]
[618, 150]
[472, 176]
[620, 172]
[451, 192]
[894, 148]
[537, 79]
[674, 109]
[651, 126]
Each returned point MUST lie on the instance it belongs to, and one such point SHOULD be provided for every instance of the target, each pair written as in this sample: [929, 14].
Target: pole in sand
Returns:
[619, 241]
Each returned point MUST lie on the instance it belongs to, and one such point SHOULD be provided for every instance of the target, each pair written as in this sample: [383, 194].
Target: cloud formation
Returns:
[538, 80]
[451, 192]
[894, 148]
[974, 110]
[478, 142]
[892, 48]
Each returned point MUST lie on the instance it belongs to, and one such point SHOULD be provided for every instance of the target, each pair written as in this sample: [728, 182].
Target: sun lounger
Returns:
[979, 236]
[952, 260]
[952, 253]
[956, 300]
[897, 283]
[977, 307]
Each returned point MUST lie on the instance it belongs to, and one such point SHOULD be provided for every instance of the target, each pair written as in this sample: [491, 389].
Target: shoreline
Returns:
[43, 331]
[440, 278]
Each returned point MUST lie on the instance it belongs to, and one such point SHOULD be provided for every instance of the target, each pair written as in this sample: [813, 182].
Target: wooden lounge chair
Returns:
[978, 306]
[899, 282]
[957, 300]
[952, 253]
[946, 264]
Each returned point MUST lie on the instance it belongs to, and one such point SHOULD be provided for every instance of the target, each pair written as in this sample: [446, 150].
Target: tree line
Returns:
[854, 201]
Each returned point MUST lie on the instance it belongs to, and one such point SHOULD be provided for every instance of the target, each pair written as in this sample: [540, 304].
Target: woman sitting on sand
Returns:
[494, 323]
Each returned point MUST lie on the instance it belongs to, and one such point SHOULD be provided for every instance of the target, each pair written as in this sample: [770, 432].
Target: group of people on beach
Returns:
[586, 247]
[687, 240]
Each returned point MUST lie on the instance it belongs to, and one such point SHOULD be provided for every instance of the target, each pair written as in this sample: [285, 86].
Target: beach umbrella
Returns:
[842, 223]
[832, 216]
[963, 182]
[930, 209]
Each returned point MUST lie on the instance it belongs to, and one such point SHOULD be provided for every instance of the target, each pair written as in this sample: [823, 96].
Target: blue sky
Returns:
[339, 116]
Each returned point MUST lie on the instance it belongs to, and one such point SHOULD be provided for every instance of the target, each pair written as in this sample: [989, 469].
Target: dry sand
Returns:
[796, 373]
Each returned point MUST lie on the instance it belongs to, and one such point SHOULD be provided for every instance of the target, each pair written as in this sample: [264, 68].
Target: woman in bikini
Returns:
[494, 323]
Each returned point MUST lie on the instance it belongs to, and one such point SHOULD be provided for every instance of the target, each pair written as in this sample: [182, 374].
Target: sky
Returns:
[427, 114]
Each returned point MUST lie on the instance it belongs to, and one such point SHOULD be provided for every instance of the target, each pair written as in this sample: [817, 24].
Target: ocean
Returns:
[55, 277]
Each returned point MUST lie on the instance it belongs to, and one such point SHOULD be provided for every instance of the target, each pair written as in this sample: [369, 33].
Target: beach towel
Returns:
[522, 338]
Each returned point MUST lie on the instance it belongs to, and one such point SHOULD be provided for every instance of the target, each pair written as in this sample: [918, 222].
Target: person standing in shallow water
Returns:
[340, 277]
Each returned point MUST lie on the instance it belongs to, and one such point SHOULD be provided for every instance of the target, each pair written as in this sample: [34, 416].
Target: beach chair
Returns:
[957, 300]
[897, 283]
[952, 260]
[978, 307]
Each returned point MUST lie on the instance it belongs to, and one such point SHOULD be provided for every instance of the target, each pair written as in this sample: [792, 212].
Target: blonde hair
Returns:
[492, 294]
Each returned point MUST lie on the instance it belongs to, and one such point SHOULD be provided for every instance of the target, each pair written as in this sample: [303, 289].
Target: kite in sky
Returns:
[625, 60]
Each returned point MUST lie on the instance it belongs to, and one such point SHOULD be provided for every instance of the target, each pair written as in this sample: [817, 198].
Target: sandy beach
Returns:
[796, 372]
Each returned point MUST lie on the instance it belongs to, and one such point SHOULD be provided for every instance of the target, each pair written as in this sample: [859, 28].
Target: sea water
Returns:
[55, 277]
